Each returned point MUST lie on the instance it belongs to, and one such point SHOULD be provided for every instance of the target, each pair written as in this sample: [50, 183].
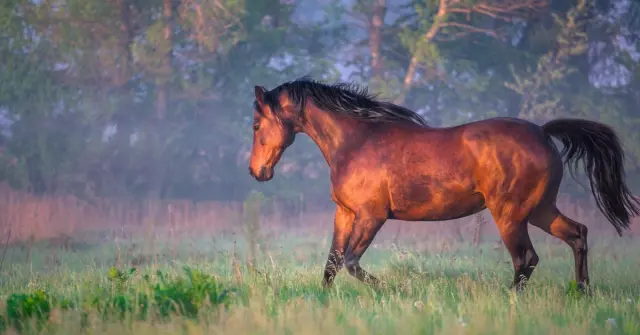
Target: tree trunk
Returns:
[122, 117]
[162, 101]
[376, 23]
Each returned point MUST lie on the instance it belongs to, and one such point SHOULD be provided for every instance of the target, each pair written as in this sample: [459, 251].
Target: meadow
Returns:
[259, 278]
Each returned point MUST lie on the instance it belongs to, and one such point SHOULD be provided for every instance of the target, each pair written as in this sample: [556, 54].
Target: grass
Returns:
[204, 285]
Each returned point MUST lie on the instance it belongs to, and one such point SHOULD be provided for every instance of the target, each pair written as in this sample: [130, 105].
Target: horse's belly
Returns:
[437, 206]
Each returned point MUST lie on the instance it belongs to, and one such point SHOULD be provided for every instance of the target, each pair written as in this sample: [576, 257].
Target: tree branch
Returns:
[468, 29]
[413, 63]
[504, 10]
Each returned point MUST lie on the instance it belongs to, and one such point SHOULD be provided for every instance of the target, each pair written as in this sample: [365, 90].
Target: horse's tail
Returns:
[603, 156]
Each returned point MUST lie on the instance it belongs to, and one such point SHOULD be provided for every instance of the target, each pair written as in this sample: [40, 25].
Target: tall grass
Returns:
[75, 267]
[460, 291]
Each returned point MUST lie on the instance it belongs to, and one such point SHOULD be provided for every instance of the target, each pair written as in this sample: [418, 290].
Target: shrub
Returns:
[187, 295]
[24, 307]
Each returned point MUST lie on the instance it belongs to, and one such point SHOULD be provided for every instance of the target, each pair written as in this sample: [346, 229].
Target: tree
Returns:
[454, 19]
[153, 98]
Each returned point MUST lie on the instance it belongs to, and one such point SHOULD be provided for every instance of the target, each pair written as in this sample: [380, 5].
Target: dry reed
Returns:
[35, 218]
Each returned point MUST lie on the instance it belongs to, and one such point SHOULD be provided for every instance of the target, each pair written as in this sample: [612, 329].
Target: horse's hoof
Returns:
[327, 284]
[381, 285]
[518, 288]
[584, 288]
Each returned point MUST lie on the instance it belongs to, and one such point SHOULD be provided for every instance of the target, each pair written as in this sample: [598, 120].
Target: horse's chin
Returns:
[264, 179]
[265, 176]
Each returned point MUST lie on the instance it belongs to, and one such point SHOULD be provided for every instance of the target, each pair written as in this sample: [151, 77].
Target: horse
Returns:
[386, 162]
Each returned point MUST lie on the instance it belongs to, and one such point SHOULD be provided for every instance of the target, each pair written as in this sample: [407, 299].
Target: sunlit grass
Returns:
[280, 292]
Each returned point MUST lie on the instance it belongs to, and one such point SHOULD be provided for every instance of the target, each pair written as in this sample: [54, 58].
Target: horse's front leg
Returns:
[365, 228]
[343, 224]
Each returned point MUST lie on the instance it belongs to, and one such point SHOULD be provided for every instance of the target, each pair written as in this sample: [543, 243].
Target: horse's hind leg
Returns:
[511, 220]
[516, 238]
[551, 220]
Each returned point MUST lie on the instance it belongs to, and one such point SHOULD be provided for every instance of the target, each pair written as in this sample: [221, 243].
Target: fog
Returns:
[135, 102]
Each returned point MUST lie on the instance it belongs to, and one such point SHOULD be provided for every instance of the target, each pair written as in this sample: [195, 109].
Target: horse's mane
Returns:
[344, 98]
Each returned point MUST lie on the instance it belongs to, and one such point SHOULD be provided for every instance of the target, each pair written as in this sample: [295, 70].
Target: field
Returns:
[260, 274]
[462, 291]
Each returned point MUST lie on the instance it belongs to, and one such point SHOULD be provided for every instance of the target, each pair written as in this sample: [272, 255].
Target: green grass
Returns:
[208, 290]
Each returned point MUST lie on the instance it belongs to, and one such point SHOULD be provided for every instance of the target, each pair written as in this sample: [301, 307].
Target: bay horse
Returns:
[386, 163]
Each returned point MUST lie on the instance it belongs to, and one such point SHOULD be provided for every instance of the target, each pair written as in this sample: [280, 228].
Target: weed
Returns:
[187, 295]
[251, 224]
[183, 295]
[25, 307]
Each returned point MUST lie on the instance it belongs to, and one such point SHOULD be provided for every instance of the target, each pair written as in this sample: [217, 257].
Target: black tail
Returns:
[603, 156]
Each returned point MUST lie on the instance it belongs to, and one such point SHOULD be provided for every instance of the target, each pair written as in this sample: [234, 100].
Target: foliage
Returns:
[164, 296]
[109, 99]
[540, 95]
[23, 307]
[188, 295]
[185, 296]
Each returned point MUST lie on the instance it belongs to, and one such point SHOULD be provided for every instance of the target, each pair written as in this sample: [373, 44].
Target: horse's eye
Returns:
[256, 127]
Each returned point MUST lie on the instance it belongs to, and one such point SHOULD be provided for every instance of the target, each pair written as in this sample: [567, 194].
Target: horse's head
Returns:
[273, 132]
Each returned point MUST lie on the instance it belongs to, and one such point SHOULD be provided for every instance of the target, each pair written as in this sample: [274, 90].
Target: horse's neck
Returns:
[329, 131]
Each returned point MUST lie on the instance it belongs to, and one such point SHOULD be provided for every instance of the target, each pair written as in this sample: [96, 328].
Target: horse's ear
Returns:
[260, 91]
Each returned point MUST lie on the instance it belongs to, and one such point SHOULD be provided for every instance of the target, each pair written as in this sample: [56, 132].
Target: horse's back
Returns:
[505, 136]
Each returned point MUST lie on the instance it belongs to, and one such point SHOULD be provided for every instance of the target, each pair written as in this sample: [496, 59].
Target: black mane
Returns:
[344, 98]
